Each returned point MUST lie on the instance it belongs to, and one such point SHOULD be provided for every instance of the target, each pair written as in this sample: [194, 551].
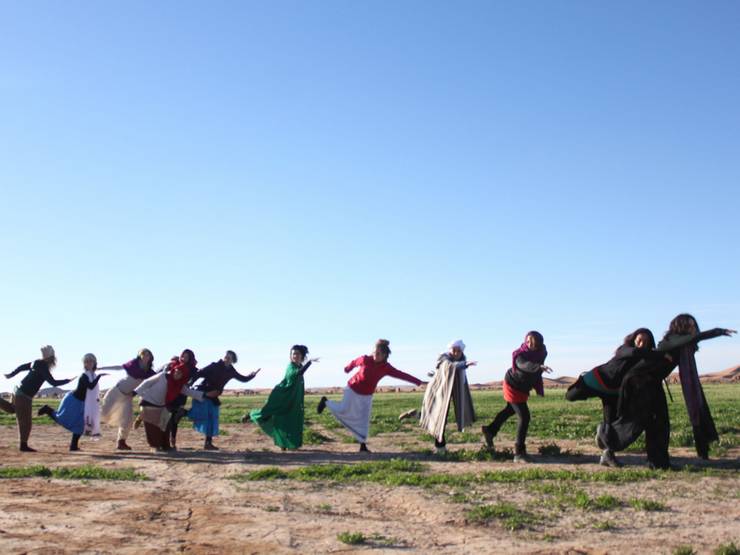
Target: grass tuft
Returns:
[510, 516]
[352, 538]
[727, 549]
[85, 472]
[646, 505]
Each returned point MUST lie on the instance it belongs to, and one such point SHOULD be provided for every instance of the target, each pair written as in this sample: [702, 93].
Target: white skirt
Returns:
[117, 408]
[353, 411]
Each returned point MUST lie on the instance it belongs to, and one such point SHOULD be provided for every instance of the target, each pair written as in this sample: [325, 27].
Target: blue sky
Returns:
[250, 175]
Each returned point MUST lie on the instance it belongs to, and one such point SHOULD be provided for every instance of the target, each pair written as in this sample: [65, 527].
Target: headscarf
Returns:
[538, 356]
[459, 344]
[174, 386]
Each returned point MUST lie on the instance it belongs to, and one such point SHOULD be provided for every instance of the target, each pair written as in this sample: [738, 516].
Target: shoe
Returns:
[45, 410]
[322, 405]
[210, 447]
[409, 414]
[608, 459]
[122, 445]
[487, 436]
[246, 419]
[442, 451]
[363, 448]
[522, 458]
[26, 449]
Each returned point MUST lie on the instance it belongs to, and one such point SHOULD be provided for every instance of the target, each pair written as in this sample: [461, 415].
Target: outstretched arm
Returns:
[244, 379]
[404, 376]
[305, 366]
[115, 367]
[57, 383]
[22, 368]
[716, 332]
[677, 341]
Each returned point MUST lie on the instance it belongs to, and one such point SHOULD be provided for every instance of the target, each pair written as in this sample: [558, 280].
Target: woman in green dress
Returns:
[282, 415]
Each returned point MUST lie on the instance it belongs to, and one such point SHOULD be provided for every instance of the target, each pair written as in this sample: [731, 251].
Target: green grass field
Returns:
[553, 418]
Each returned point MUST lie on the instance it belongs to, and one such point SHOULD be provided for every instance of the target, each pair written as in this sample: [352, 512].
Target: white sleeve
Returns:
[194, 393]
[147, 384]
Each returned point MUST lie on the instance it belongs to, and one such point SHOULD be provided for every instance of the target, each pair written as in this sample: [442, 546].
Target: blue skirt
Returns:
[204, 415]
[71, 414]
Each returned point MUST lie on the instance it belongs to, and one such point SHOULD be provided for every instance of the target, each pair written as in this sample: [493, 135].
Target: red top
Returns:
[371, 372]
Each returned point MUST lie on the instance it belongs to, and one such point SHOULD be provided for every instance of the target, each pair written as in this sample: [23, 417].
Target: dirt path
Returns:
[188, 505]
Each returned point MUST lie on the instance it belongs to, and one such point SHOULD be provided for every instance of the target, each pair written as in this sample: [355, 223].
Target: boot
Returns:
[122, 445]
[209, 446]
[487, 436]
[363, 448]
[322, 406]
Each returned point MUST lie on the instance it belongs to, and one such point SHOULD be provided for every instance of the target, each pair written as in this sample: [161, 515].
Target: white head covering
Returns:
[47, 351]
[459, 344]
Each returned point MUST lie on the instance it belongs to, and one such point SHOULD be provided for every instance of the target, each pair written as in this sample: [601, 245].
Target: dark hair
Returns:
[680, 326]
[384, 346]
[233, 355]
[301, 349]
[192, 362]
[629, 340]
[537, 337]
[141, 354]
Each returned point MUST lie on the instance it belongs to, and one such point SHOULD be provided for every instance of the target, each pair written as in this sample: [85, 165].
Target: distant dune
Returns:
[731, 375]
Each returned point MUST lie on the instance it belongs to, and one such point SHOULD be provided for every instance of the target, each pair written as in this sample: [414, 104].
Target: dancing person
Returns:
[117, 409]
[353, 411]
[157, 394]
[20, 404]
[205, 414]
[282, 415]
[449, 384]
[605, 380]
[525, 374]
[79, 411]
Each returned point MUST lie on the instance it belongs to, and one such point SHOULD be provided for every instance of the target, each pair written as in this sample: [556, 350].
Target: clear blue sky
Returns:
[249, 175]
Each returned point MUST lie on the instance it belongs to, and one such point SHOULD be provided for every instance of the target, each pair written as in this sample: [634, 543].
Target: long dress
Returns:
[281, 417]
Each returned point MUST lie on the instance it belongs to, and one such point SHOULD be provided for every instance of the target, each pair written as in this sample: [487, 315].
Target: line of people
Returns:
[630, 386]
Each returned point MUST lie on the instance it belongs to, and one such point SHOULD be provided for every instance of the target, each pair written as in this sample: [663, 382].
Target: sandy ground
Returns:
[189, 506]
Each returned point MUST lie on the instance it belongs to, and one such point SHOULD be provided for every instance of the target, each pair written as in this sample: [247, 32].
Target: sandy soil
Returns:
[189, 506]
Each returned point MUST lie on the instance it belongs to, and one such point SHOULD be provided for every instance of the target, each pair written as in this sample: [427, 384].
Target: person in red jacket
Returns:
[353, 411]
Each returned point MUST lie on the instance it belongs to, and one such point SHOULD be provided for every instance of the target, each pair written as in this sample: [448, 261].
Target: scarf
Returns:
[693, 395]
[135, 369]
[92, 408]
